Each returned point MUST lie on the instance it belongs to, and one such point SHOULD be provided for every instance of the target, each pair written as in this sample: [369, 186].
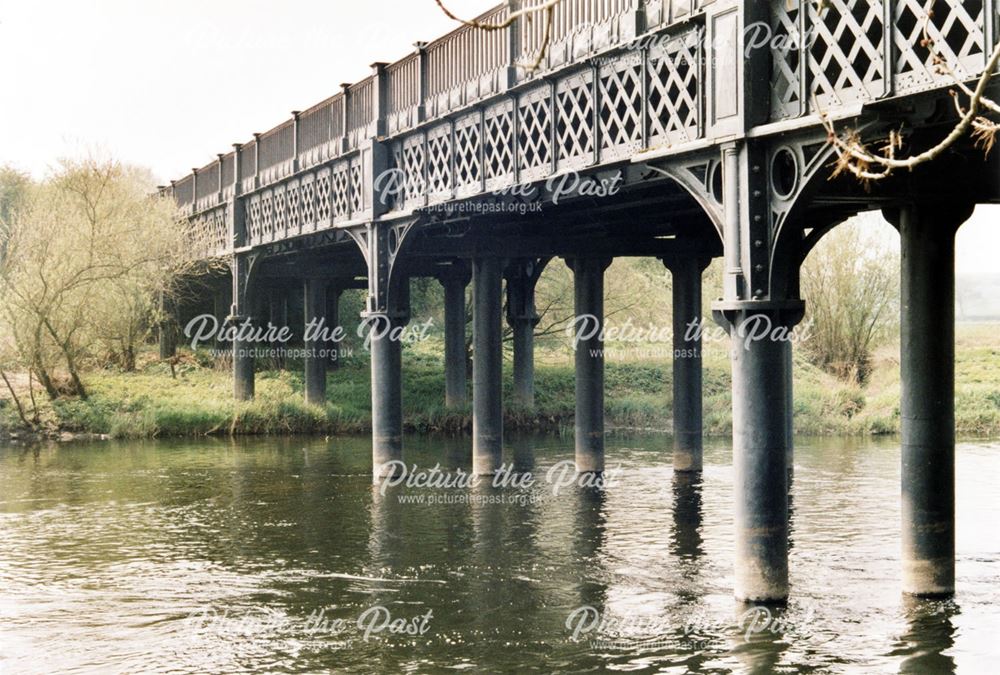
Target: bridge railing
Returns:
[596, 97]
[855, 51]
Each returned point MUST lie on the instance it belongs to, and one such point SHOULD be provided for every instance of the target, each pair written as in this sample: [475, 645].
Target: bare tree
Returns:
[851, 285]
[84, 256]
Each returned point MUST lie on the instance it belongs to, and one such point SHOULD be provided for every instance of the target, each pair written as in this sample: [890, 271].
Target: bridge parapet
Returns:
[855, 51]
[461, 116]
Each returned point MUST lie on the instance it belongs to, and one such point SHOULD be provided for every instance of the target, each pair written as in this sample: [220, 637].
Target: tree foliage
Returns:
[87, 254]
[851, 286]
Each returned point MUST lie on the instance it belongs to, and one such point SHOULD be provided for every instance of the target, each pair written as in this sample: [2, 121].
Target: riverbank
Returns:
[153, 403]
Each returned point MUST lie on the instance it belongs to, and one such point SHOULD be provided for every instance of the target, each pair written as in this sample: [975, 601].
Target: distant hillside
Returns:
[977, 297]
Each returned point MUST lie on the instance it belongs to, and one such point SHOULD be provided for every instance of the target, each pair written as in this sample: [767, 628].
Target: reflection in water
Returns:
[107, 550]
[590, 521]
[687, 542]
[791, 512]
[759, 637]
[930, 632]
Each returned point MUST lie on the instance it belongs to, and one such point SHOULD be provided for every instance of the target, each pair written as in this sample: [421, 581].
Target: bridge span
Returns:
[681, 129]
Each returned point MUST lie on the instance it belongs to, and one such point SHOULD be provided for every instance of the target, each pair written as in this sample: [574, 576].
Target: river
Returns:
[279, 555]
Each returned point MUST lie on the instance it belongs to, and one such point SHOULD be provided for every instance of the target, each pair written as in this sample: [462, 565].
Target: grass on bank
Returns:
[150, 403]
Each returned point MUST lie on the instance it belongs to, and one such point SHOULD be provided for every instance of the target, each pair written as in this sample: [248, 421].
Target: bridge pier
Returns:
[686, 274]
[760, 439]
[522, 276]
[588, 292]
[487, 365]
[333, 293]
[240, 314]
[455, 379]
[789, 406]
[387, 392]
[927, 405]
[314, 292]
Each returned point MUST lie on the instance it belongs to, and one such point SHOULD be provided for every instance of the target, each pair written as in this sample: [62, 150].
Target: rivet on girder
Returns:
[758, 243]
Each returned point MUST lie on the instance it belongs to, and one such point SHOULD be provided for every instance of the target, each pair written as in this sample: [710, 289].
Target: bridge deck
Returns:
[621, 79]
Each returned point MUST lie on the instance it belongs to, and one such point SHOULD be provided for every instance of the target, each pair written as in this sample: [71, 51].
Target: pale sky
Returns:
[169, 85]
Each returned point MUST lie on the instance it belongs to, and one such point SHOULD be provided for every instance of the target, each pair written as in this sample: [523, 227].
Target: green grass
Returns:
[150, 403]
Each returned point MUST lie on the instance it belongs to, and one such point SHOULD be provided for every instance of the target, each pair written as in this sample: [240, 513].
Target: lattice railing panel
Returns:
[498, 144]
[410, 156]
[846, 61]
[254, 218]
[210, 232]
[786, 59]
[439, 158]
[341, 188]
[534, 134]
[468, 154]
[307, 209]
[575, 120]
[294, 200]
[324, 192]
[673, 95]
[357, 186]
[621, 119]
[267, 216]
[956, 28]
[280, 211]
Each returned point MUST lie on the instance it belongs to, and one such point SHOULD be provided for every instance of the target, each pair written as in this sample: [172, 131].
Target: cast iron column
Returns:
[686, 271]
[487, 366]
[387, 392]
[522, 275]
[455, 381]
[927, 406]
[760, 439]
[240, 315]
[332, 323]
[314, 306]
[588, 284]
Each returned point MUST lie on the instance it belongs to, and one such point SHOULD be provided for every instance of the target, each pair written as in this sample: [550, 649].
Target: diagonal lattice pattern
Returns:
[267, 216]
[412, 163]
[846, 62]
[357, 187]
[439, 162]
[620, 91]
[786, 59]
[294, 199]
[673, 95]
[323, 193]
[307, 215]
[340, 184]
[498, 155]
[956, 27]
[534, 133]
[468, 164]
[575, 120]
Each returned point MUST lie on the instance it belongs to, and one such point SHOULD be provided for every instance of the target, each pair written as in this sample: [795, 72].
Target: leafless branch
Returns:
[854, 156]
[547, 9]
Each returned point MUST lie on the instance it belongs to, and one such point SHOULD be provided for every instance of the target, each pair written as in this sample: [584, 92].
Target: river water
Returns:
[279, 555]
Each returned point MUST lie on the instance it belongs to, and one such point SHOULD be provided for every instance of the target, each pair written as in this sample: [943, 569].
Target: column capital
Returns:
[943, 214]
[598, 262]
[736, 314]
[458, 275]
[673, 261]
